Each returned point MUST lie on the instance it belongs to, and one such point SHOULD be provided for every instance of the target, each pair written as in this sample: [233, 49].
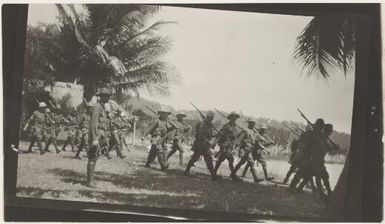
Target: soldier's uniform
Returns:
[37, 123]
[294, 145]
[249, 144]
[116, 124]
[84, 126]
[53, 129]
[125, 125]
[203, 135]
[71, 129]
[97, 135]
[178, 139]
[228, 135]
[159, 130]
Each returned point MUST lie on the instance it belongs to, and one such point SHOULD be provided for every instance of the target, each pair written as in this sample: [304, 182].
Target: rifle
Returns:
[202, 115]
[152, 110]
[294, 132]
[37, 101]
[311, 124]
[266, 137]
[297, 126]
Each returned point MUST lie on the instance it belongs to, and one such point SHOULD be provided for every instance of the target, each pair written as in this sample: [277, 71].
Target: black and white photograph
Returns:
[186, 108]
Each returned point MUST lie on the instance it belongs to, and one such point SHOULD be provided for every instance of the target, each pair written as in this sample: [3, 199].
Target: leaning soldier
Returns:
[96, 132]
[204, 134]
[181, 129]
[226, 141]
[159, 130]
[37, 122]
[249, 143]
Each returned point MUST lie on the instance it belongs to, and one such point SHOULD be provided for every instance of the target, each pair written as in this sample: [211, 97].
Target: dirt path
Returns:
[59, 176]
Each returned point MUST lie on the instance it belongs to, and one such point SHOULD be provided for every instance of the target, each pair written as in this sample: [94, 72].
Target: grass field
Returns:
[127, 181]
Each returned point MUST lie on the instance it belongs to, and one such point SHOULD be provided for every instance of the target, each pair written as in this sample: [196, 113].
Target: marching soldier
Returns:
[97, 133]
[54, 126]
[226, 141]
[310, 144]
[71, 129]
[116, 125]
[249, 143]
[84, 126]
[124, 129]
[37, 122]
[181, 129]
[159, 130]
[203, 141]
[297, 153]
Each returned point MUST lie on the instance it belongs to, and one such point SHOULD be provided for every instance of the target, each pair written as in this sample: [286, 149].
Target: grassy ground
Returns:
[127, 181]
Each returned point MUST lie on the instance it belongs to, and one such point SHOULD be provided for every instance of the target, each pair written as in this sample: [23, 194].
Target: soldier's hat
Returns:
[233, 114]
[181, 114]
[103, 91]
[263, 126]
[42, 104]
[164, 110]
[320, 122]
[210, 113]
[47, 110]
[250, 120]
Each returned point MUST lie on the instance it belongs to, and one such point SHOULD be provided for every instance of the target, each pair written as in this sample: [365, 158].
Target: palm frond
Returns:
[326, 43]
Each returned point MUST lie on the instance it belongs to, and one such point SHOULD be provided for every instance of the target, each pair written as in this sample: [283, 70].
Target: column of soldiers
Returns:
[100, 130]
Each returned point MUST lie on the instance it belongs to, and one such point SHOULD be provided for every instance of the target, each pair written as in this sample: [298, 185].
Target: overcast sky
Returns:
[243, 61]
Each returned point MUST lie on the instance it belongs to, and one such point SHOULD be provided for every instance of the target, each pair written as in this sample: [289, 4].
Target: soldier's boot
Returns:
[254, 174]
[245, 170]
[90, 174]
[289, 173]
[266, 176]
[181, 158]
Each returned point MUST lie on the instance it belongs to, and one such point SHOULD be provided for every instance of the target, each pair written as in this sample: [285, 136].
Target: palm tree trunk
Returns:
[345, 202]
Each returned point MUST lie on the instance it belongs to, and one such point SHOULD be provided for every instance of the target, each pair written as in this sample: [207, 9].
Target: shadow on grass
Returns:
[151, 187]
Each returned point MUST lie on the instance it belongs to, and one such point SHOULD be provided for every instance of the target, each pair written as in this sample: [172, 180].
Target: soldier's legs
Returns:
[118, 146]
[289, 173]
[209, 164]
[221, 158]
[245, 170]
[162, 158]
[92, 158]
[32, 142]
[191, 162]
[48, 143]
[239, 164]
[54, 143]
[66, 143]
[181, 154]
[261, 159]
[151, 155]
[325, 180]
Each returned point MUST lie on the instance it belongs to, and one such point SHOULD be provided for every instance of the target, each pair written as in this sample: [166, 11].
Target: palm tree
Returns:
[329, 42]
[326, 43]
[115, 48]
